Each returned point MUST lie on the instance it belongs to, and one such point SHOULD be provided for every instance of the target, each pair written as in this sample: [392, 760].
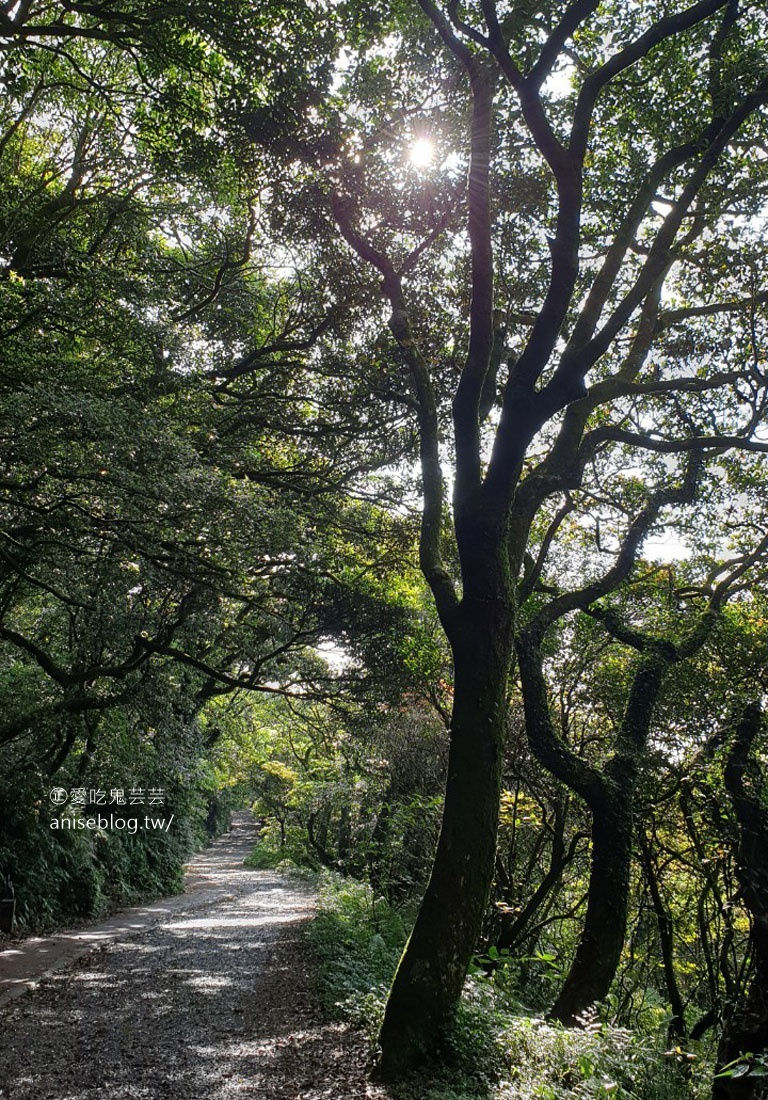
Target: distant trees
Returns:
[167, 533]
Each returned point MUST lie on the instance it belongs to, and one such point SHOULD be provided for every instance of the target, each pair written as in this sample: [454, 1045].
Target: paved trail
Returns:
[202, 997]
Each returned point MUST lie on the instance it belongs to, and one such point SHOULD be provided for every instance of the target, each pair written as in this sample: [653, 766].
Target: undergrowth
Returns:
[495, 1050]
[264, 857]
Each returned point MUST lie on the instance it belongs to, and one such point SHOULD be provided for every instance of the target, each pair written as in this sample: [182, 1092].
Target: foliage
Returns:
[220, 463]
[62, 874]
[549, 1062]
[337, 788]
[494, 1048]
[358, 939]
[149, 516]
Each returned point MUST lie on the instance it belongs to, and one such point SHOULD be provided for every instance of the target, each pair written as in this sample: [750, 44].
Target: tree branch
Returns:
[665, 28]
[430, 557]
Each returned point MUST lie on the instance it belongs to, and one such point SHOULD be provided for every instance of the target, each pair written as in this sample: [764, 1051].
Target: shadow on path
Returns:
[211, 875]
[212, 998]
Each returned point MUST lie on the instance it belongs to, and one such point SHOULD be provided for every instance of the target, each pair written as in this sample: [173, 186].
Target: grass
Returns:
[495, 1049]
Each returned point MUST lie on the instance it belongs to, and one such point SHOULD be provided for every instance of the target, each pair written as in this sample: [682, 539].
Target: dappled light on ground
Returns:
[216, 1004]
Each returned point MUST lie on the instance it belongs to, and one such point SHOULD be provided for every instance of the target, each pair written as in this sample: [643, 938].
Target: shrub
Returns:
[494, 1050]
[358, 939]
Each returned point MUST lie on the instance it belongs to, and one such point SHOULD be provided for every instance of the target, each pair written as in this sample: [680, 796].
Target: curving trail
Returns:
[203, 997]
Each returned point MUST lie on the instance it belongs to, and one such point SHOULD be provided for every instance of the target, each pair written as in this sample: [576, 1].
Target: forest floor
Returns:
[207, 996]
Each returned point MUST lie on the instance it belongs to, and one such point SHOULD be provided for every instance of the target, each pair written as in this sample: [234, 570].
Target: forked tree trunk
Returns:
[430, 977]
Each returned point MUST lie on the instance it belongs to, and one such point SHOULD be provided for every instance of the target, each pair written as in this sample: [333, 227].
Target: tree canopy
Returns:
[293, 300]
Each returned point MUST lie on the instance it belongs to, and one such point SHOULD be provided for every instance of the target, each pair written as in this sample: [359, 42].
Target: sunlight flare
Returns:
[422, 152]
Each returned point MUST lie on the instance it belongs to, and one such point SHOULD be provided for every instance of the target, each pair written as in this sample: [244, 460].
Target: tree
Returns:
[598, 297]
[164, 537]
[555, 334]
[744, 1039]
[141, 520]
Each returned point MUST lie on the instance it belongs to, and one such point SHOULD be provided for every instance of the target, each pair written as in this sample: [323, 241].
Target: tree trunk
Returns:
[745, 1030]
[602, 939]
[676, 1031]
[430, 977]
[609, 793]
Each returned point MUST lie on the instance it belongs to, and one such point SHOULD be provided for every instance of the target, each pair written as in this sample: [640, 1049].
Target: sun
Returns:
[422, 152]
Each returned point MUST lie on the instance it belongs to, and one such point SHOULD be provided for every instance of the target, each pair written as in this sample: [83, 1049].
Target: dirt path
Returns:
[204, 997]
[211, 876]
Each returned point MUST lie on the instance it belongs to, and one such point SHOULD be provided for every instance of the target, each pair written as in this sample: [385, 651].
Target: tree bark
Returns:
[745, 1031]
[431, 974]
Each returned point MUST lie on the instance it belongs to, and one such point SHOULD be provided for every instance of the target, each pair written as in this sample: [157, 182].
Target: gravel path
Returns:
[215, 1000]
[210, 877]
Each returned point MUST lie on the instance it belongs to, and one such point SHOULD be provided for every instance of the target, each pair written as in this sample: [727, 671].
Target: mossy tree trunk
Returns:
[433, 968]
[744, 1039]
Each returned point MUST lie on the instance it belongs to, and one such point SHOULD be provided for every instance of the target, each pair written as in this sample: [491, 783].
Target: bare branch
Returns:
[531, 578]
[670, 317]
[430, 557]
[719, 443]
[582, 598]
[573, 17]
